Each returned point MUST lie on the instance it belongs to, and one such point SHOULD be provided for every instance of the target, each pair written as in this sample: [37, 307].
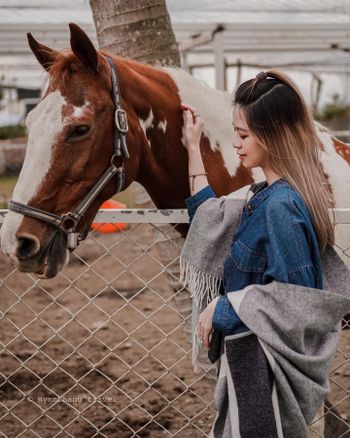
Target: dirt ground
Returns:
[102, 351]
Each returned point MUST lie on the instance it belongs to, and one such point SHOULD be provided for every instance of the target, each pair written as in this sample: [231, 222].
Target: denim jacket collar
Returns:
[262, 190]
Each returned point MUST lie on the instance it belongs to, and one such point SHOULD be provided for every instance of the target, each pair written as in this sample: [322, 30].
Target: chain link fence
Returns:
[102, 350]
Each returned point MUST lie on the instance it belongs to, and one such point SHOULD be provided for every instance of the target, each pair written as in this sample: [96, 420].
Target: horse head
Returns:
[70, 145]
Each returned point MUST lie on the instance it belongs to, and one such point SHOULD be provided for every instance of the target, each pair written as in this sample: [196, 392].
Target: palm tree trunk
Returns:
[137, 29]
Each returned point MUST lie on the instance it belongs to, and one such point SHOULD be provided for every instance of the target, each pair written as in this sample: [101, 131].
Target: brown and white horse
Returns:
[70, 144]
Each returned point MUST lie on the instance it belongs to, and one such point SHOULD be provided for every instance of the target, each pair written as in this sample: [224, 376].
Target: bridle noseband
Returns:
[67, 222]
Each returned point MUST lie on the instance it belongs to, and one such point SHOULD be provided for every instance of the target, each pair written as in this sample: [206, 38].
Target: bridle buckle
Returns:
[68, 222]
[121, 121]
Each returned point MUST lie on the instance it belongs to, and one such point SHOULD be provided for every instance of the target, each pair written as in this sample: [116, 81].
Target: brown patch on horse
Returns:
[163, 166]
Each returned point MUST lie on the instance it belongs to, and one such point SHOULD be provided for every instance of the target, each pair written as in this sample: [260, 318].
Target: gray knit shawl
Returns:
[202, 257]
[207, 245]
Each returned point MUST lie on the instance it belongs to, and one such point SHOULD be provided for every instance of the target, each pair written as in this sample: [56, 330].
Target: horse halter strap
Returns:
[68, 221]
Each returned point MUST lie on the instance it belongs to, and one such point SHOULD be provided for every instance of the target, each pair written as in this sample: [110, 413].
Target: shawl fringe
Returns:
[203, 288]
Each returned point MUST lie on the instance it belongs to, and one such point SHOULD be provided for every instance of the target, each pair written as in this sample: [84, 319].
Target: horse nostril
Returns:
[28, 246]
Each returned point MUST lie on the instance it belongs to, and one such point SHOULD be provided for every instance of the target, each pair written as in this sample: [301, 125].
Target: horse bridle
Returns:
[67, 222]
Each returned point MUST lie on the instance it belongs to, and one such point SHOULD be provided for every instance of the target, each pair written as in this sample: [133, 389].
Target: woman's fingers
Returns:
[200, 332]
[204, 330]
[193, 125]
[204, 335]
[206, 339]
[188, 124]
[192, 119]
[189, 118]
[185, 107]
[192, 109]
[205, 322]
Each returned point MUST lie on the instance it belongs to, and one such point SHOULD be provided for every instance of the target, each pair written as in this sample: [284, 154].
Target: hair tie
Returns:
[261, 75]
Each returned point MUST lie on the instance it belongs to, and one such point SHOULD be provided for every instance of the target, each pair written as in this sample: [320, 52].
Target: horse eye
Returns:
[79, 131]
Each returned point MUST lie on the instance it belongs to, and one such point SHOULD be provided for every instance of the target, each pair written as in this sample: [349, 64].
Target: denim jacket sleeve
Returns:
[225, 318]
[193, 202]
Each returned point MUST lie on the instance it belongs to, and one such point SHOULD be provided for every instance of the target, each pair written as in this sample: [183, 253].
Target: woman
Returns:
[285, 226]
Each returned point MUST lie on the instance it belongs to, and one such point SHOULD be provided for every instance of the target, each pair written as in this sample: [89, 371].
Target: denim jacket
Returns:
[275, 240]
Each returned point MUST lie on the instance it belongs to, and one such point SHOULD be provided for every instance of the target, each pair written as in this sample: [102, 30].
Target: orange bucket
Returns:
[109, 228]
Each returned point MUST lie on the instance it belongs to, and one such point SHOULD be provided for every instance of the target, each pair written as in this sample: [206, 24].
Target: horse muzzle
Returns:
[45, 261]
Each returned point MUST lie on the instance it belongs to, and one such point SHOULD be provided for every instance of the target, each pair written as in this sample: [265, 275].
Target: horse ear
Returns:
[82, 47]
[43, 54]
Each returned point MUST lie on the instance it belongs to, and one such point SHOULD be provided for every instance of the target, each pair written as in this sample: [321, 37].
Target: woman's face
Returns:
[250, 152]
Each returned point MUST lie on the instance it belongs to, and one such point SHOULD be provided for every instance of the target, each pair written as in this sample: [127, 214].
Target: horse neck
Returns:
[153, 105]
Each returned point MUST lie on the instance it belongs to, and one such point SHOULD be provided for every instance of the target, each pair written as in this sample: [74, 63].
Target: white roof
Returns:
[187, 11]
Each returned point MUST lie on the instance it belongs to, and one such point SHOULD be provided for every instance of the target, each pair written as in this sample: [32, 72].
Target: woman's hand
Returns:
[193, 131]
[193, 127]
[205, 326]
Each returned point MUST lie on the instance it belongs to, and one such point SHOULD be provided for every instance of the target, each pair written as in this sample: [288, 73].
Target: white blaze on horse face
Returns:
[146, 124]
[215, 108]
[44, 122]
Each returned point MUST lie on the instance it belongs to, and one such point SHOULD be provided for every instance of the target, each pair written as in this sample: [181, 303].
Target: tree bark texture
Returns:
[136, 29]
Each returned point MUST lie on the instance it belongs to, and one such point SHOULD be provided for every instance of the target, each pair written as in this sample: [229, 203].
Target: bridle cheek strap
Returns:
[67, 222]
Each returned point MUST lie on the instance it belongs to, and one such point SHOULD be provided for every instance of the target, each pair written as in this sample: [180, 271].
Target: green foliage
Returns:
[336, 110]
[7, 184]
[317, 115]
[12, 131]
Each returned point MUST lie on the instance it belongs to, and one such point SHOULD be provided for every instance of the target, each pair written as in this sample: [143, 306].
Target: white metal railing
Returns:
[168, 216]
[134, 215]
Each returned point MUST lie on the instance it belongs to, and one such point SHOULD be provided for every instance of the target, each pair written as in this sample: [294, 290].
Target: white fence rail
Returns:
[101, 350]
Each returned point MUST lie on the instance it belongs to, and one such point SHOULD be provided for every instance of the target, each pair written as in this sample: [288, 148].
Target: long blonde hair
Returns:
[279, 118]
